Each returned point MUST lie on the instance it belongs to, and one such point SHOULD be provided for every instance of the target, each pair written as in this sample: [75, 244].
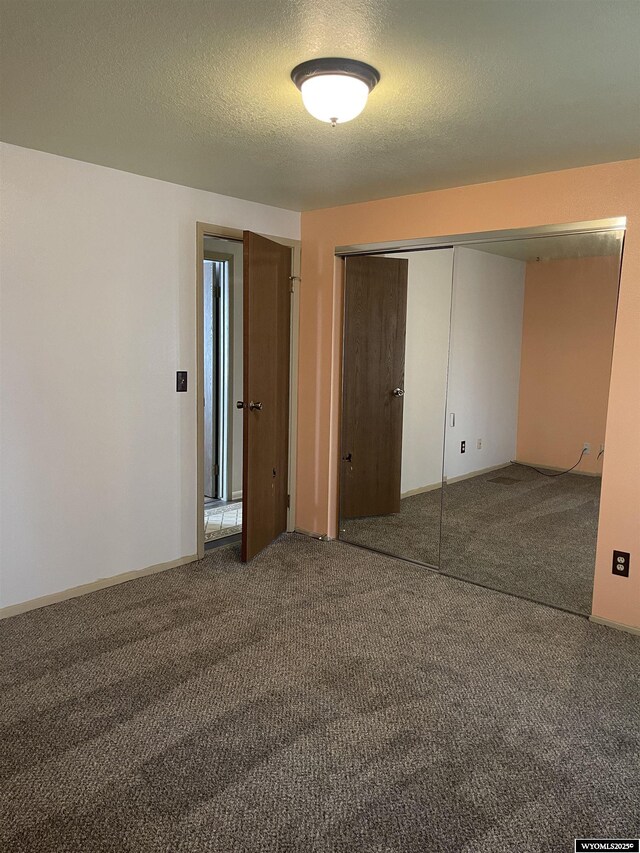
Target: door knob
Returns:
[251, 406]
[398, 392]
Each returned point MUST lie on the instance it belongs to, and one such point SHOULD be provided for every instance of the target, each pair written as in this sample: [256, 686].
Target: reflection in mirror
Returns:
[222, 385]
[532, 327]
[396, 341]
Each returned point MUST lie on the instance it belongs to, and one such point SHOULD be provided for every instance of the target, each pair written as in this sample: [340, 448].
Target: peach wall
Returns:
[567, 343]
[594, 192]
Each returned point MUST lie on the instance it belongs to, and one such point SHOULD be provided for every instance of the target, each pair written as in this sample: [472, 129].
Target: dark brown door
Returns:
[373, 385]
[266, 329]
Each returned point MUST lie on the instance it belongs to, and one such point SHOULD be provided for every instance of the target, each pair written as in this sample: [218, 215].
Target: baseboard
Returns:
[619, 626]
[83, 589]
[471, 474]
[421, 490]
[236, 496]
[553, 468]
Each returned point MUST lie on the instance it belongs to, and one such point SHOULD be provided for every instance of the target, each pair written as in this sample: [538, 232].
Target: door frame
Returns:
[206, 229]
[450, 241]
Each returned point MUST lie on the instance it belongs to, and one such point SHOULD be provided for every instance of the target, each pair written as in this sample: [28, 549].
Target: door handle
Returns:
[251, 406]
[398, 392]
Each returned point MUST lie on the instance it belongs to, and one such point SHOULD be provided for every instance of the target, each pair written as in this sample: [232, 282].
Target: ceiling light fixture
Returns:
[335, 90]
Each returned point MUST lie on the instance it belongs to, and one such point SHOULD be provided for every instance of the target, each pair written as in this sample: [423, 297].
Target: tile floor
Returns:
[222, 520]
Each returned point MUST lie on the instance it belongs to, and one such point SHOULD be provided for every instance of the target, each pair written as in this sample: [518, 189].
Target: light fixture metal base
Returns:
[335, 65]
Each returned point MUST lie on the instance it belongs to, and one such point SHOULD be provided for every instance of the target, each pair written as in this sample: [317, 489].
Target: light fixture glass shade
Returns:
[334, 98]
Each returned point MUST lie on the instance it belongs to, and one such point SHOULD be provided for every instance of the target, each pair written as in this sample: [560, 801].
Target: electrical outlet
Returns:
[621, 561]
[463, 447]
[479, 444]
[586, 447]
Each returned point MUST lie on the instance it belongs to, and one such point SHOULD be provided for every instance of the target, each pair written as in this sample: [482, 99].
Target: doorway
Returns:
[222, 382]
[247, 289]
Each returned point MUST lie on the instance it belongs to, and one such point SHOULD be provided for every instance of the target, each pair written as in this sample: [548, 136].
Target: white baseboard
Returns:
[471, 474]
[619, 626]
[236, 496]
[83, 589]
[421, 490]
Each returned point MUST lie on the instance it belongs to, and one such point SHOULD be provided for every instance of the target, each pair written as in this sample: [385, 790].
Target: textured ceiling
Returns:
[198, 93]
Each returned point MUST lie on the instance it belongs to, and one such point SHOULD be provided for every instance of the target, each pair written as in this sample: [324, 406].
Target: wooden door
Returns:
[266, 333]
[373, 385]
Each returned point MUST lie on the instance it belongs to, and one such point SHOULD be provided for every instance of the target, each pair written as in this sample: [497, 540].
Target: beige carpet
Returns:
[321, 699]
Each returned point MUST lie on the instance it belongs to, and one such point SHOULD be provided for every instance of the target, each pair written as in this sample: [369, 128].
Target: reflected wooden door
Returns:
[373, 385]
[266, 344]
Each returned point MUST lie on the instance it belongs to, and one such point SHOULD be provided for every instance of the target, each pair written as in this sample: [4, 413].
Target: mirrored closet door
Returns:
[396, 340]
[475, 391]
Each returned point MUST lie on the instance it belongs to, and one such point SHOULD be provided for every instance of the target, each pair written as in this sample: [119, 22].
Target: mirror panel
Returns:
[531, 342]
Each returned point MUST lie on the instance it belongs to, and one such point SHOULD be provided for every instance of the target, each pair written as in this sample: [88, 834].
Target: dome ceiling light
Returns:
[335, 90]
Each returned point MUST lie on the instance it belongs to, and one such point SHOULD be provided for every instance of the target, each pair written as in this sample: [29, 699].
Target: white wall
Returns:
[98, 451]
[426, 355]
[484, 367]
